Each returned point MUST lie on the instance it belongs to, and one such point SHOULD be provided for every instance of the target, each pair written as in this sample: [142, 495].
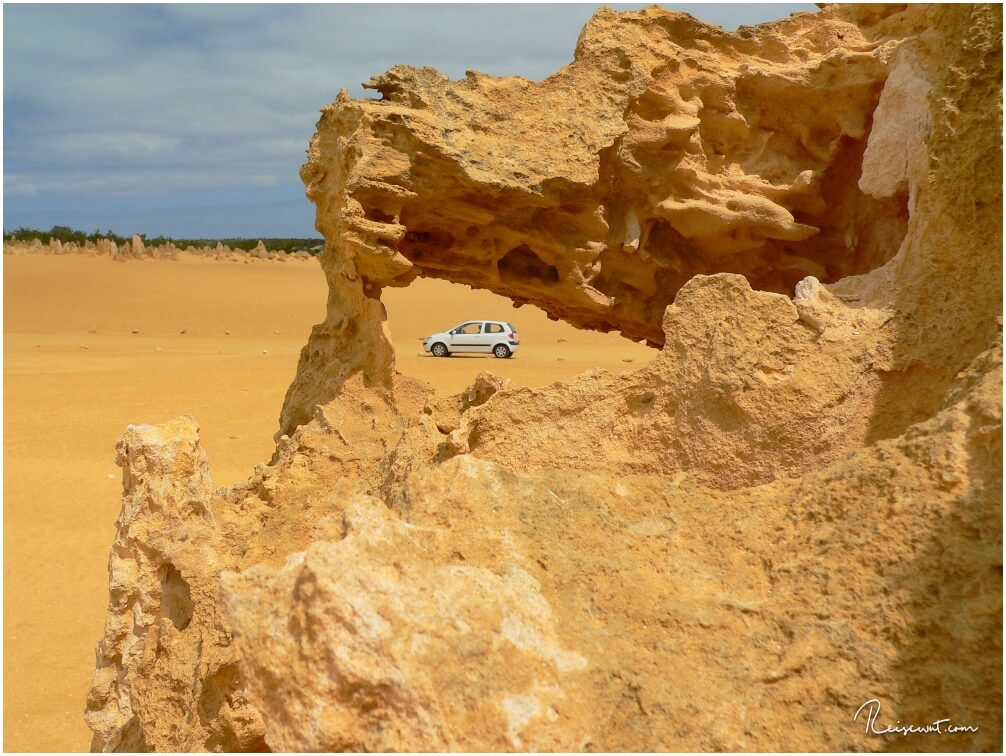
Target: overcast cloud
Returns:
[192, 120]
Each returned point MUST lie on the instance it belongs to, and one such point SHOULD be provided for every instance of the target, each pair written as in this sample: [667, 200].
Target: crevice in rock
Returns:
[131, 738]
[222, 693]
[176, 599]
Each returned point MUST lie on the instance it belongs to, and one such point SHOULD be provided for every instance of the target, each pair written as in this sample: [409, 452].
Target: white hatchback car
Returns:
[495, 337]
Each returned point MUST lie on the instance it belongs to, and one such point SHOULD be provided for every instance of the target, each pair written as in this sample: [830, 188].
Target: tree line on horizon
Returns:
[66, 234]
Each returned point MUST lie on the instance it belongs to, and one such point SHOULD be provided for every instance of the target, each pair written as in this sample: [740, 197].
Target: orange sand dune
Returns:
[66, 405]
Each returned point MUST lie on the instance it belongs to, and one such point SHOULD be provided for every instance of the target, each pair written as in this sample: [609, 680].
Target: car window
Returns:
[510, 326]
[493, 328]
[469, 328]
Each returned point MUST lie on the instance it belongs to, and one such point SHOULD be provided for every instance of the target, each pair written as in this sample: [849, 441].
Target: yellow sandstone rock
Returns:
[794, 508]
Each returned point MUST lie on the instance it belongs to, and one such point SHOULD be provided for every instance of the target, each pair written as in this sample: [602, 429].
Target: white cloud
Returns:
[112, 145]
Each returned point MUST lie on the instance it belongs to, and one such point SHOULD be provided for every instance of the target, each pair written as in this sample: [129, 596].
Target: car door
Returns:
[467, 337]
[494, 334]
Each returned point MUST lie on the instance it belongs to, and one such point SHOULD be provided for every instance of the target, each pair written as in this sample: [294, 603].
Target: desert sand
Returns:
[65, 406]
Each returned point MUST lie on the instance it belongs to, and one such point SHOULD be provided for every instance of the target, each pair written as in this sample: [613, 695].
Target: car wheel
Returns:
[438, 350]
[501, 351]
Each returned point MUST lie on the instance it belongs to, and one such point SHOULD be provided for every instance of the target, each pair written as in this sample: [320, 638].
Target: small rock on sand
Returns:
[136, 331]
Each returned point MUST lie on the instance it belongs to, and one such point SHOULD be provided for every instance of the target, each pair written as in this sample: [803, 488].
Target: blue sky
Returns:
[192, 120]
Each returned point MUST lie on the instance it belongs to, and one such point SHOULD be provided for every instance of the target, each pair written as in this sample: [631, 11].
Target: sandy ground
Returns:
[65, 406]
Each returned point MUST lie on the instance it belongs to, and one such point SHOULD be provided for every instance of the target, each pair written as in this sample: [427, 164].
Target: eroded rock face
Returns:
[167, 677]
[695, 152]
[735, 398]
[793, 509]
[450, 644]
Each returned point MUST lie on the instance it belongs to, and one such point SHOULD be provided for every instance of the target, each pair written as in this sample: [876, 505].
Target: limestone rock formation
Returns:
[697, 152]
[415, 634]
[154, 680]
[794, 508]
[137, 248]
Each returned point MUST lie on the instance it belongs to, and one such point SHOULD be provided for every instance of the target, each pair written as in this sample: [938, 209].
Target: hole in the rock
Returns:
[377, 214]
[652, 106]
[621, 279]
[421, 243]
[176, 599]
[858, 232]
[521, 263]
[550, 350]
